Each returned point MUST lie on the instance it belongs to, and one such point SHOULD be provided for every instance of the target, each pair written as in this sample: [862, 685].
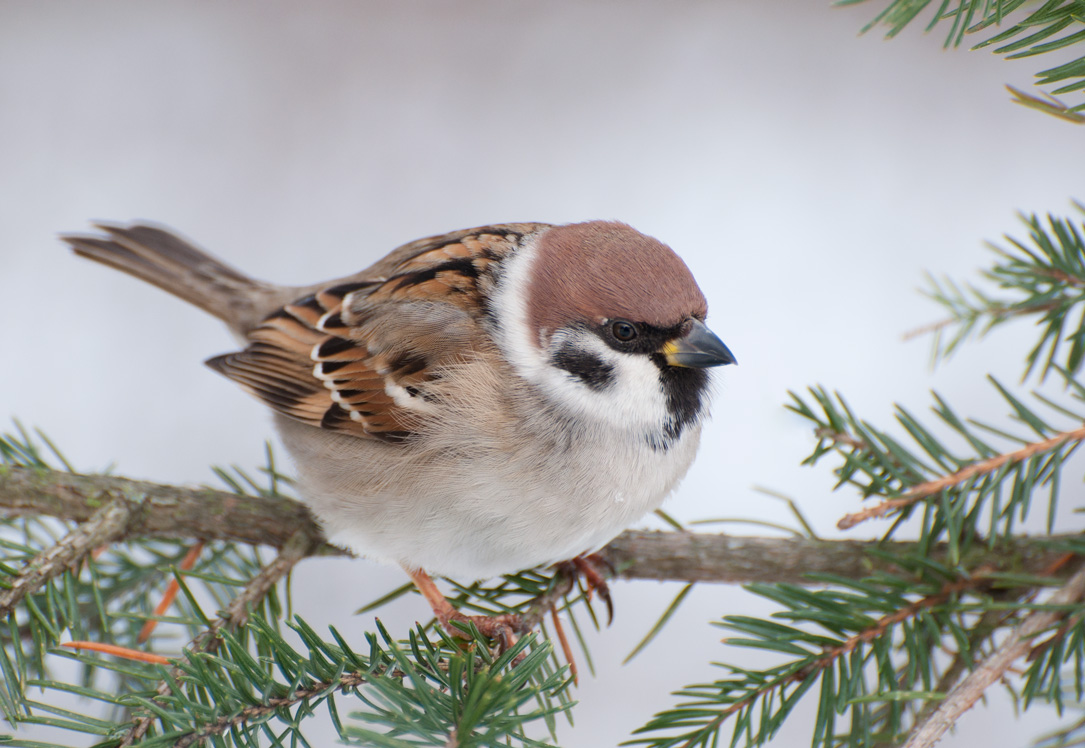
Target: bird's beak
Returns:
[697, 349]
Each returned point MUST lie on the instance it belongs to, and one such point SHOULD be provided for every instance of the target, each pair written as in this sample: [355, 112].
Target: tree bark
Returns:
[164, 511]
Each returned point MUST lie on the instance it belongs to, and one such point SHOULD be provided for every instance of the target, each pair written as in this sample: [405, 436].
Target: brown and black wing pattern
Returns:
[356, 357]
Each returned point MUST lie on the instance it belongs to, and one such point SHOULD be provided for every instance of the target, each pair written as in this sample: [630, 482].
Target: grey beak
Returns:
[697, 349]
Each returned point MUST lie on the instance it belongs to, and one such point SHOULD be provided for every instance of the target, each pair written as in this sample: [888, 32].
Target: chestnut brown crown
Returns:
[590, 272]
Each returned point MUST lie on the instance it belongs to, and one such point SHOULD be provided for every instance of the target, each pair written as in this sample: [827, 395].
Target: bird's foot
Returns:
[590, 568]
[501, 629]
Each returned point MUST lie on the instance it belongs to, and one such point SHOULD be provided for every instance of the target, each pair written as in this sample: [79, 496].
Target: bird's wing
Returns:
[357, 356]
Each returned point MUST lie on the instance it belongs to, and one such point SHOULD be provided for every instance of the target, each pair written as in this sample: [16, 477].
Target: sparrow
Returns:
[474, 403]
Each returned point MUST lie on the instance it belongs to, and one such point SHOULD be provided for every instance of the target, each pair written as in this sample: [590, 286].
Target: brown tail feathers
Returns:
[171, 263]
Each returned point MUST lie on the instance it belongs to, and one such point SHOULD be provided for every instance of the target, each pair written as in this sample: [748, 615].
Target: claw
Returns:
[588, 568]
[501, 629]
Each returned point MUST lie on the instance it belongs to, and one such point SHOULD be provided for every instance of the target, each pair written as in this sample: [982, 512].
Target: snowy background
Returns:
[807, 175]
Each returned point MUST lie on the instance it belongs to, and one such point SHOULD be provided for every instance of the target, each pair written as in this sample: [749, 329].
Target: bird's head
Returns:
[610, 325]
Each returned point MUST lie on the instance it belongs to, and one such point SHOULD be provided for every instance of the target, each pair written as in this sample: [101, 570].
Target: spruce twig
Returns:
[177, 512]
[297, 548]
[1017, 645]
[107, 524]
[345, 682]
[983, 467]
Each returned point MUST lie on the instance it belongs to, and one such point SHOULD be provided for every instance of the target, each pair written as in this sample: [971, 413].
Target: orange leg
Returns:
[501, 628]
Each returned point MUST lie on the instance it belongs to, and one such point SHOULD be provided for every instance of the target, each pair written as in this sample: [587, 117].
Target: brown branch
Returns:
[175, 512]
[974, 582]
[930, 488]
[298, 547]
[928, 328]
[1060, 278]
[997, 312]
[987, 626]
[160, 511]
[830, 656]
[104, 526]
[1016, 645]
[837, 437]
[163, 511]
[544, 603]
[344, 682]
[703, 557]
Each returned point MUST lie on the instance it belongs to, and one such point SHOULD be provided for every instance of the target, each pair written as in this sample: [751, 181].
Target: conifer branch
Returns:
[839, 437]
[174, 512]
[107, 524]
[983, 467]
[1014, 31]
[883, 624]
[158, 511]
[987, 626]
[830, 656]
[345, 682]
[1042, 276]
[996, 313]
[546, 602]
[1016, 645]
[298, 547]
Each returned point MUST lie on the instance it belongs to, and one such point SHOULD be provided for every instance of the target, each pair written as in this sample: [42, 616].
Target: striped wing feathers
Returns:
[356, 356]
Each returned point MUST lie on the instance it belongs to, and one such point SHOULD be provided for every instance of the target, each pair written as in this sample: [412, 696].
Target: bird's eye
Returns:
[623, 331]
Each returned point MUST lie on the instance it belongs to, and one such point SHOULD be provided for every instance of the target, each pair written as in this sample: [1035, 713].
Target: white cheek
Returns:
[634, 401]
[510, 306]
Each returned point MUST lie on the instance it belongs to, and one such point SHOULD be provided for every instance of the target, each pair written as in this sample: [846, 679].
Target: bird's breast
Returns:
[469, 506]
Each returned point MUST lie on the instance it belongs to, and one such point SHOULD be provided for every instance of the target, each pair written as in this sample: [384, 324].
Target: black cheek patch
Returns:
[585, 366]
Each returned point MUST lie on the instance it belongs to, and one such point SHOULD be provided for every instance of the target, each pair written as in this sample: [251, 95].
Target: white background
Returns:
[808, 176]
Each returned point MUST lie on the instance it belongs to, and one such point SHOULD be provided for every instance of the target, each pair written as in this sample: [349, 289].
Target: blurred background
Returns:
[809, 177]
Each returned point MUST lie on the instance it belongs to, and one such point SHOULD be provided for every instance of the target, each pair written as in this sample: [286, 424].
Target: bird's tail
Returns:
[171, 263]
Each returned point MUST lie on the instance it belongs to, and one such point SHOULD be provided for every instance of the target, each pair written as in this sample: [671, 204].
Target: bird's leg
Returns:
[501, 628]
[587, 567]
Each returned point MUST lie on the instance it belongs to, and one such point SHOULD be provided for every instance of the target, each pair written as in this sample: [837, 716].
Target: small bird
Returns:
[472, 404]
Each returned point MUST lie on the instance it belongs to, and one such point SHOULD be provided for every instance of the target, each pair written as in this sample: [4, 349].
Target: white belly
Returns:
[474, 513]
